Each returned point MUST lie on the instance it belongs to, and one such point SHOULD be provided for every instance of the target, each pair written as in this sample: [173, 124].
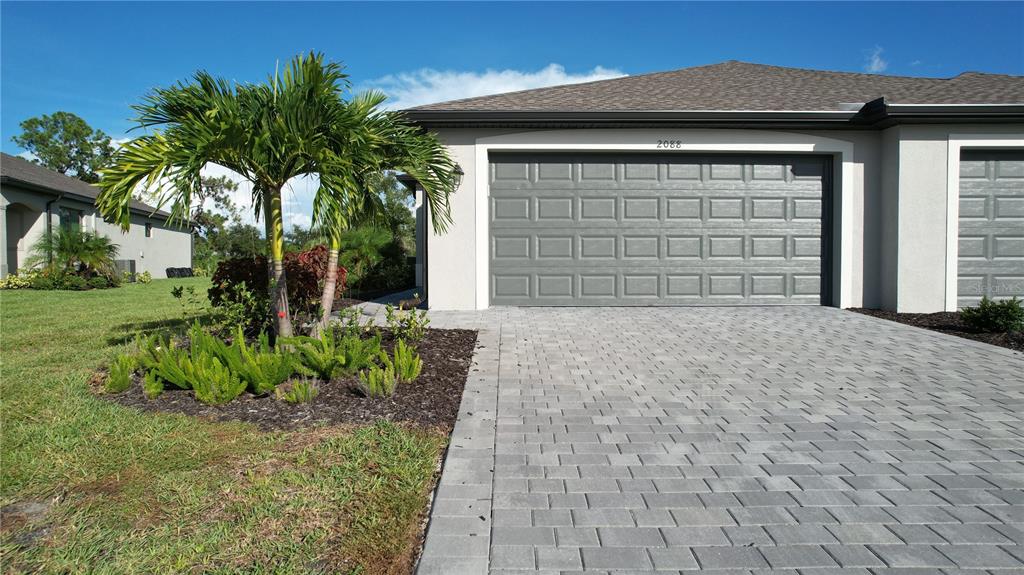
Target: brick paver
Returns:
[793, 439]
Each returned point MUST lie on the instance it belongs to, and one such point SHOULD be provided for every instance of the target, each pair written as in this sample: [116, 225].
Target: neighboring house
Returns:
[35, 199]
[735, 183]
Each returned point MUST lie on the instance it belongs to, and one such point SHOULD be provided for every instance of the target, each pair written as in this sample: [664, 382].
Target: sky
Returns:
[97, 59]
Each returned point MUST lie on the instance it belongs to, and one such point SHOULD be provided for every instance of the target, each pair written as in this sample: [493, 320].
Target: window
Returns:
[70, 219]
[149, 230]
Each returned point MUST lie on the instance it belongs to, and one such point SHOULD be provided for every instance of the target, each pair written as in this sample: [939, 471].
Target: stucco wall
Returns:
[916, 187]
[167, 247]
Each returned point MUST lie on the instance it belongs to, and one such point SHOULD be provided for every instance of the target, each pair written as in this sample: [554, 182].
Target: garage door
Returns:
[657, 230]
[991, 243]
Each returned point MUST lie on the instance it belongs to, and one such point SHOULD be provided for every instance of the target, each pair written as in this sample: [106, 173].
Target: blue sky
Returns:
[96, 59]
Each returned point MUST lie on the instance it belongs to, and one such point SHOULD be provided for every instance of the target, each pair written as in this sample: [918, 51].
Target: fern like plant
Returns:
[319, 355]
[407, 362]
[163, 360]
[262, 367]
[213, 382]
[358, 353]
[121, 372]
[152, 385]
[299, 391]
[378, 381]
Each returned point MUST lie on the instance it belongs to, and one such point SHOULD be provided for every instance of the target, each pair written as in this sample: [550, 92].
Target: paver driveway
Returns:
[674, 439]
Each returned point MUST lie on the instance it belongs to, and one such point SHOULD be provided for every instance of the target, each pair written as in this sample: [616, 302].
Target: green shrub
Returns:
[300, 391]
[407, 362]
[408, 325]
[163, 360]
[44, 282]
[378, 381]
[152, 385]
[212, 381]
[358, 353]
[261, 367]
[995, 316]
[144, 277]
[72, 282]
[99, 282]
[238, 306]
[321, 356]
[121, 372]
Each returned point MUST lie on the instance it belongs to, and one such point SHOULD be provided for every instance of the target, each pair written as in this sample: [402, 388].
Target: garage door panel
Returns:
[990, 260]
[682, 230]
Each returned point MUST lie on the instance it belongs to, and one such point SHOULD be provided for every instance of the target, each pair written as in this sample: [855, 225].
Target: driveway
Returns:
[673, 439]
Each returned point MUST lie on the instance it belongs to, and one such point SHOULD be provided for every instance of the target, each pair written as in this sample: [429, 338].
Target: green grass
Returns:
[136, 492]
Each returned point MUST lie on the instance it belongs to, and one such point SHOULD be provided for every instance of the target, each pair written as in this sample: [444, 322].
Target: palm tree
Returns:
[296, 123]
[74, 251]
[383, 142]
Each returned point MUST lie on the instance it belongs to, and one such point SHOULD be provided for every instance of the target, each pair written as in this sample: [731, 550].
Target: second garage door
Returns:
[603, 229]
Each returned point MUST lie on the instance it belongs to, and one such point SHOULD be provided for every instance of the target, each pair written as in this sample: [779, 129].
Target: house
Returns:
[735, 183]
[36, 199]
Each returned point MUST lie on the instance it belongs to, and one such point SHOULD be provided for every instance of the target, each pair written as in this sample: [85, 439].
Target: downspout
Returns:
[49, 227]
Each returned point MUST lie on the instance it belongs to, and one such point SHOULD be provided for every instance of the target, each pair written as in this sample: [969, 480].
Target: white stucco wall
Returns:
[919, 191]
[167, 247]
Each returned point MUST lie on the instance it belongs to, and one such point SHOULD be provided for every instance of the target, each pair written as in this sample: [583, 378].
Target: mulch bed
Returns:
[430, 401]
[949, 322]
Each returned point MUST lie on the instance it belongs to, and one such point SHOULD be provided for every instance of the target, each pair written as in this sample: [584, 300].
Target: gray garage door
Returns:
[657, 230]
[991, 244]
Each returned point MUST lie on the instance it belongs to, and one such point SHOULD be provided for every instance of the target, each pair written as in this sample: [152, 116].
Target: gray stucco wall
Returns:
[167, 247]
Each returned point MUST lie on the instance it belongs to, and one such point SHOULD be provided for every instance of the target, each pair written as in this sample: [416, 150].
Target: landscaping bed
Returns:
[432, 400]
[950, 323]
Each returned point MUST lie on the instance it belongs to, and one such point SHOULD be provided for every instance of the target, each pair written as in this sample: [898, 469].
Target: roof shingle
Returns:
[26, 172]
[741, 86]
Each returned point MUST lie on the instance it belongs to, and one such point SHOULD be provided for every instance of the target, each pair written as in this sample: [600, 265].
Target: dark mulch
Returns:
[431, 401]
[949, 322]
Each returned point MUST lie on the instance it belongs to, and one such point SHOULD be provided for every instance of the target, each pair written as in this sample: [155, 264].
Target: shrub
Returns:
[995, 316]
[407, 362]
[358, 353]
[44, 282]
[300, 391]
[408, 325]
[260, 366]
[121, 372]
[212, 381]
[163, 360]
[144, 277]
[74, 252]
[241, 307]
[21, 280]
[72, 282]
[321, 356]
[99, 282]
[305, 270]
[152, 385]
[378, 381]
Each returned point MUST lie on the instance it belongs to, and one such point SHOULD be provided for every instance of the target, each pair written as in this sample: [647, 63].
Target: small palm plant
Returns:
[74, 251]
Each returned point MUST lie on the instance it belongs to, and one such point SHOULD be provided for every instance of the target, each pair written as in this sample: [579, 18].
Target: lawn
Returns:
[108, 489]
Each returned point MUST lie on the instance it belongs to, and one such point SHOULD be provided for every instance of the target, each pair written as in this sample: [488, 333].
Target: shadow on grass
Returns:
[127, 332]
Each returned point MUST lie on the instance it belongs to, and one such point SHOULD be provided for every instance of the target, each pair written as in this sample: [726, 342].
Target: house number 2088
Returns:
[670, 144]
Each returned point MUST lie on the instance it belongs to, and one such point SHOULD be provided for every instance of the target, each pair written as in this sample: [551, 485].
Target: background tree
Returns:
[66, 143]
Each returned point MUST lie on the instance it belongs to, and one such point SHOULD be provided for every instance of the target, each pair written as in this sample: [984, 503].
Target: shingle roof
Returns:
[21, 170]
[749, 87]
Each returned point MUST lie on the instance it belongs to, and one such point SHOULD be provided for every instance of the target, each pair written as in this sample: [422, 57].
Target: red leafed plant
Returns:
[305, 271]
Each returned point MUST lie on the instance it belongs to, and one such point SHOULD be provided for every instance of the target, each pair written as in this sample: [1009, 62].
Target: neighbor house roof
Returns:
[18, 170]
[739, 89]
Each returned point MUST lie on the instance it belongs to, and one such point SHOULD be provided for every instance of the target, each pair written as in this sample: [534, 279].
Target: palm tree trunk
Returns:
[330, 283]
[278, 279]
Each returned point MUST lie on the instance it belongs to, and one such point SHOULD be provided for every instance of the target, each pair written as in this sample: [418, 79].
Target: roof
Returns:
[21, 171]
[739, 88]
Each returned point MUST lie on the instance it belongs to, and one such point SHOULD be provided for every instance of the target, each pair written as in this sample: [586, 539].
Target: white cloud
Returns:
[873, 61]
[427, 85]
[916, 63]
